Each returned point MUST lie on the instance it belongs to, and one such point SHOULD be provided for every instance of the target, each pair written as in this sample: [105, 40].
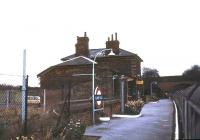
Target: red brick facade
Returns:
[73, 75]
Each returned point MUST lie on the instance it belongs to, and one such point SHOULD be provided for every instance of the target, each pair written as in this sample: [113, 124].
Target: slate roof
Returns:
[92, 53]
[72, 60]
[80, 60]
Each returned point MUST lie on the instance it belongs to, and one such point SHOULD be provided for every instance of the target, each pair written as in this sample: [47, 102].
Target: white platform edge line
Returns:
[127, 116]
[154, 102]
[176, 121]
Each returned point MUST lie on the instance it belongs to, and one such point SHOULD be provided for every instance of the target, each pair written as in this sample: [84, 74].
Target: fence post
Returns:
[186, 118]
[7, 98]
[26, 111]
[189, 121]
[24, 123]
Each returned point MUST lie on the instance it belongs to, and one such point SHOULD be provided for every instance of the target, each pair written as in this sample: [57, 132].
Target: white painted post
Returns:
[44, 101]
[138, 94]
[24, 88]
[122, 93]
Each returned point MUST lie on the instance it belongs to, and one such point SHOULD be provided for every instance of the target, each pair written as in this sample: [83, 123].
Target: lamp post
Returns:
[153, 82]
[93, 82]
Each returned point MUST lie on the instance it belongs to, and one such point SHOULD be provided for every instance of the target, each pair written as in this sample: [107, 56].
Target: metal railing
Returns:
[188, 103]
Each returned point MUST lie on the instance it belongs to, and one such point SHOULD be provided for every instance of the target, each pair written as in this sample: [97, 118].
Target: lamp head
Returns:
[115, 77]
[111, 52]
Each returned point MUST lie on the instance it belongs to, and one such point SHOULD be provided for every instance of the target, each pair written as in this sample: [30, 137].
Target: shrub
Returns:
[134, 107]
[10, 123]
[73, 131]
[152, 98]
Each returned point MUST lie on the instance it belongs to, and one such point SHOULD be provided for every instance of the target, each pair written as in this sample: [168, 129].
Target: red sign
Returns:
[98, 97]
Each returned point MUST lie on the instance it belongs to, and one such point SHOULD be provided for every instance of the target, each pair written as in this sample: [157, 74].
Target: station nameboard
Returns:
[139, 82]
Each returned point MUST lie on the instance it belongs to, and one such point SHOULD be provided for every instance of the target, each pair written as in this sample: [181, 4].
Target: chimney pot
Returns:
[113, 44]
[82, 46]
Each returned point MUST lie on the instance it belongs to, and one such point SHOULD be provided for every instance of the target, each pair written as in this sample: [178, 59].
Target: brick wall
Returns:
[84, 112]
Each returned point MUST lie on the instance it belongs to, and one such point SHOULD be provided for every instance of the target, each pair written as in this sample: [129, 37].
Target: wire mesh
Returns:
[60, 112]
[10, 107]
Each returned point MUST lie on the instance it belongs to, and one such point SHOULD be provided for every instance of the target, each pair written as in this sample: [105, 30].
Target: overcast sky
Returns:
[165, 34]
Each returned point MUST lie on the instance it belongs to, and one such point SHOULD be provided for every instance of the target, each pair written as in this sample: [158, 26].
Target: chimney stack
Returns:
[113, 44]
[82, 46]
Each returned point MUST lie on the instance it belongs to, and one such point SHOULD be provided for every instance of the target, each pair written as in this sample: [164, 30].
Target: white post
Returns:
[138, 94]
[24, 87]
[44, 102]
[151, 87]
[122, 93]
[93, 101]
[113, 87]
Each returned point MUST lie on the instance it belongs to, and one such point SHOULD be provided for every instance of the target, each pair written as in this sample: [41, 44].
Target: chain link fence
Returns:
[10, 107]
[11, 125]
[61, 113]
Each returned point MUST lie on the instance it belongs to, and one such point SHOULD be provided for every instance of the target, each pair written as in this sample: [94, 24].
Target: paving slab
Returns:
[155, 123]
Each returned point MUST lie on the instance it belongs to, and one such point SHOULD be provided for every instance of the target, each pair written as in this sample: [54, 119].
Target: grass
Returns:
[40, 125]
[10, 123]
